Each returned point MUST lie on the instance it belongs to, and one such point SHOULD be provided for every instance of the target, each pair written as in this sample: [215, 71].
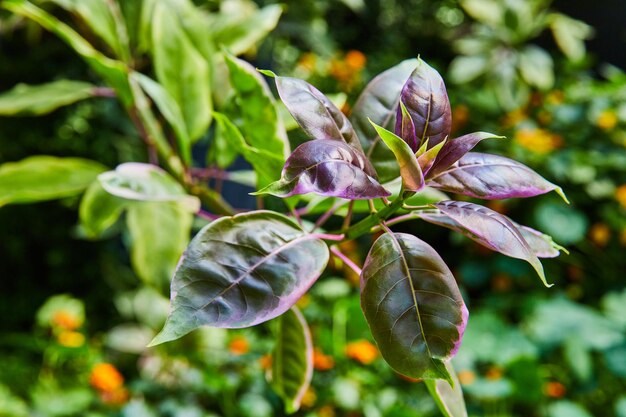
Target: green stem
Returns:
[365, 225]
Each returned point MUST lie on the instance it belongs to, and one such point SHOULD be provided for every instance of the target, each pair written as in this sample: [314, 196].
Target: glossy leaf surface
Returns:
[42, 99]
[426, 99]
[292, 359]
[326, 167]
[455, 148]
[412, 177]
[413, 306]
[99, 210]
[181, 69]
[41, 178]
[378, 102]
[491, 230]
[240, 271]
[146, 182]
[159, 234]
[261, 125]
[405, 127]
[449, 398]
[492, 177]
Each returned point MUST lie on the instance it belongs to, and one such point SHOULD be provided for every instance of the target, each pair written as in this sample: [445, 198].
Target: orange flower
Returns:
[554, 389]
[466, 377]
[607, 120]
[308, 61]
[362, 351]
[322, 362]
[326, 411]
[66, 320]
[501, 282]
[494, 373]
[71, 339]
[555, 97]
[514, 117]
[620, 195]
[265, 361]
[355, 59]
[239, 345]
[600, 234]
[537, 140]
[460, 116]
[105, 377]
[309, 398]
[117, 397]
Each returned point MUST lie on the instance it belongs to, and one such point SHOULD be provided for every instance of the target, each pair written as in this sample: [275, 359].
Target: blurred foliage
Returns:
[527, 352]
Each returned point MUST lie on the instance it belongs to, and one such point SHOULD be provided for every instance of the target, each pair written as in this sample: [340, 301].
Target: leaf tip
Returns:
[267, 73]
[560, 192]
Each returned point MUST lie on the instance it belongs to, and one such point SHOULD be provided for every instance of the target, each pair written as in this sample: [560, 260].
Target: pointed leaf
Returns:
[159, 234]
[412, 177]
[379, 102]
[490, 229]
[405, 127]
[266, 165]
[316, 114]
[292, 359]
[240, 271]
[181, 69]
[42, 99]
[146, 182]
[426, 99]
[262, 126]
[427, 159]
[455, 148]
[326, 167]
[492, 177]
[41, 178]
[449, 398]
[413, 306]
[99, 209]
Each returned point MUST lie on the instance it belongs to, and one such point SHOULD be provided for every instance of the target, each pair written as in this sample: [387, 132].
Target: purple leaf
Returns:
[412, 305]
[326, 167]
[425, 97]
[487, 227]
[379, 102]
[317, 115]
[405, 127]
[492, 177]
[412, 178]
[454, 149]
[240, 271]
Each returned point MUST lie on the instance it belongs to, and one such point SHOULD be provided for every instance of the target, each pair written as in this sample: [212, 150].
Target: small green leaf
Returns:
[181, 69]
[159, 233]
[41, 178]
[41, 99]
[99, 210]
[536, 67]
[570, 35]
[292, 359]
[449, 398]
[410, 171]
[146, 182]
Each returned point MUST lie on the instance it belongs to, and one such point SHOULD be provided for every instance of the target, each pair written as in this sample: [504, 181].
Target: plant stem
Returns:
[365, 225]
[327, 236]
[344, 258]
[324, 217]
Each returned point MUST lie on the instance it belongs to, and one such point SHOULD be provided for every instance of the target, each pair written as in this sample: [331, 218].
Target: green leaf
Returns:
[41, 178]
[536, 67]
[41, 99]
[104, 18]
[99, 210]
[567, 409]
[146, 182]
[292, 359]
[449, 398]
[239, 33]
[170, 109]
[412, 305]
[114, 72]
[261, 124]
[159, 233]
[464, 69]
[267, 166]
[181, 69]
[578, 357]
[570, 35]
[410, 171]
[240, 271]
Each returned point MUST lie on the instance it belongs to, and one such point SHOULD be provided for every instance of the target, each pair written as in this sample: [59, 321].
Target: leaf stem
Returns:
[326, 236]
[324, 217]
[344, 258]
[365, 225]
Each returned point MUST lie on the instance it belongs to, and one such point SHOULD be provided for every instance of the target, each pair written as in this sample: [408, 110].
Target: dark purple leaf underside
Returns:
[491, 177]
[412, 305]
[329, 168]
[426, 99]
[240, 271]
